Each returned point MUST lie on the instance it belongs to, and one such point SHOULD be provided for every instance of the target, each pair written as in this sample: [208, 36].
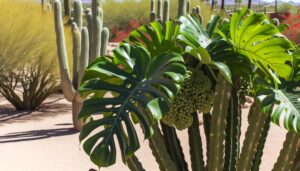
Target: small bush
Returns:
[27, 53]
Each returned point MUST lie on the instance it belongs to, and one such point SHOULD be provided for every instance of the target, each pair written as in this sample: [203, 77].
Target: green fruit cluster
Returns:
[244, 86]
[194, 95]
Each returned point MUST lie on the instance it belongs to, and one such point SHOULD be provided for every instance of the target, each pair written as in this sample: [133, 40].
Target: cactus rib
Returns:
[196, 151]
[217, 134]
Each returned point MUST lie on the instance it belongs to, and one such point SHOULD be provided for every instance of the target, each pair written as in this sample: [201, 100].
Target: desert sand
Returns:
[44, 140]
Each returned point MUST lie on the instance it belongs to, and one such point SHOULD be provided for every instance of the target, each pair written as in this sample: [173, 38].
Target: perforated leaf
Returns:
[144, 90]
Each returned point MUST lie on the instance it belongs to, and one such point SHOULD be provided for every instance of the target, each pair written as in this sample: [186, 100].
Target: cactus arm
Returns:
[84, 57]
[174, 147]
[66, 83]
[96, 30]
[89, 19]
[296, 163]
[196, 151]
[134, 164]
[252, 137]
[76, 53]
[104, 41]
[288, 152]
[233, 132]
[159, 10]
[181, 8]
[78, 14]
[152, 5]
[166, 15]
[217, 135]
[206, 125]
[152, 16]
[188, 6]
[261, 145]
[159, 151]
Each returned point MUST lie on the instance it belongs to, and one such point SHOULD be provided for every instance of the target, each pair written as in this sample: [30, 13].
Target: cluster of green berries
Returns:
[195, 95]
[244, 86]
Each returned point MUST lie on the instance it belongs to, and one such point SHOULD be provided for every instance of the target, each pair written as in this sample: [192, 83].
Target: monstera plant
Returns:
[165, 76]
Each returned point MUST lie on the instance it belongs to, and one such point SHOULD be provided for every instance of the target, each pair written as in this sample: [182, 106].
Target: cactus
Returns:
[159, 10]
[233, 131]
[181, 8]
[174, 147]
[217, 134]
[159, 151]
[166, 12]
[84, 50]
[288, 153]
[252, 138]
[196, 151]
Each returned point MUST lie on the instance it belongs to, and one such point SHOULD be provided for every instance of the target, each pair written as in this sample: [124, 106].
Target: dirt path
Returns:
[45, 141]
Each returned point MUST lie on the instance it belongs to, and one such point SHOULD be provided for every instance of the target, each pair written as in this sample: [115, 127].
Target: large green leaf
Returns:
[145, 90]
[157, 38]
[253, 36]
[197, 42]
[286, 111]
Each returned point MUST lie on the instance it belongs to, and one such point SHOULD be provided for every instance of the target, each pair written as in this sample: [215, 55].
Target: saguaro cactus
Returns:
[82, 53]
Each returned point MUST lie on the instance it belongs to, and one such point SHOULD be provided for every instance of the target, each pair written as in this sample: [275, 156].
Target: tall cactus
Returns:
[84, 49]
[217, 134]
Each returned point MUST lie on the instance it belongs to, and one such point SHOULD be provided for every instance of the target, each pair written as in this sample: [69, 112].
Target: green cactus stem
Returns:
[96, 30]
[134, 164]
[159, 151]
[188, 6]
[233, 132]
[78, 14]
[159, 10]
[166, 12]
[296, 164]
[66, 84]
[181, 8]
[152, 5]
[252, 137]
[174, 147]
[217, 134]
[288, 153]
[104, 41]
[196, 150]
[84, 56]
[76, 52]
[261, 144]
[206, 125]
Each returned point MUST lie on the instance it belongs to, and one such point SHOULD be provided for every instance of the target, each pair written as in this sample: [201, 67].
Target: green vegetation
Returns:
[156, 61]
[27, 69]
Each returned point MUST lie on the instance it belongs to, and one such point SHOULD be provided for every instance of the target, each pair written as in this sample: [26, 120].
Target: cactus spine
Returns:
[81, 50]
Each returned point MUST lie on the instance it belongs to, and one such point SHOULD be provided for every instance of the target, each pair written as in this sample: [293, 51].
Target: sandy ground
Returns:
[45, 141]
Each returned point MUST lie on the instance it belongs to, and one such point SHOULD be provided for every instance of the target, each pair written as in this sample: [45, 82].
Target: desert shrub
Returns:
[27, 50]
[36, 82]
